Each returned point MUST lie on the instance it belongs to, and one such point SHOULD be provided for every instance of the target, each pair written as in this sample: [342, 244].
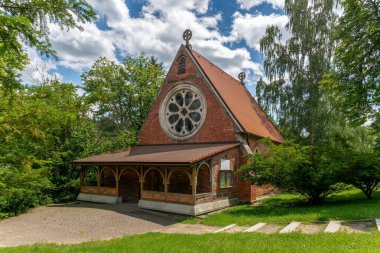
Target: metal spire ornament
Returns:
[187, 34]
[241, 77]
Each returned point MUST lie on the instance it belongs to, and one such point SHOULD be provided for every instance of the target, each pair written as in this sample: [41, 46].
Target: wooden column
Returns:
[98, 177]
[81, 176]
[194, 183]
[117, 179]
[166, 181]
[141, 180]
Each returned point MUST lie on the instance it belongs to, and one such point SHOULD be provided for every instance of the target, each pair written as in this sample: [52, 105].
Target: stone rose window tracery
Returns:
[183, 111]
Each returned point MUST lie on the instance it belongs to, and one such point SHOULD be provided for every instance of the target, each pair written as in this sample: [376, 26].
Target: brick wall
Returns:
[217, 127]
[99, 190]
[167, 197]
[248, 192]
[230, 192]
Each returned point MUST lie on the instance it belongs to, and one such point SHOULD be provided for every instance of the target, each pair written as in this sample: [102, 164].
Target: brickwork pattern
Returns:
[218, 126]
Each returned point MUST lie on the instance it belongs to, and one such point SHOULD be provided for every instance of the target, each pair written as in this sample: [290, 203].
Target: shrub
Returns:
[294, 168]
[362, 171]
[21, 189]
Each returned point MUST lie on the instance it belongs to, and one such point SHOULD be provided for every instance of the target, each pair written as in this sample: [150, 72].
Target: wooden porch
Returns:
[187, 185]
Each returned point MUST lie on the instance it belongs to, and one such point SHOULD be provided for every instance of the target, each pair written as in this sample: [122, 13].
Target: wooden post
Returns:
[141, 180]
[81, 176]
[194, 183]
[117, 179]
[166, 181]
[98, 177]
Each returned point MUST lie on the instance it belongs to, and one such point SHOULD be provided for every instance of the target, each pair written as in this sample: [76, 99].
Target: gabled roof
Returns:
[177, 154]
[237, 98]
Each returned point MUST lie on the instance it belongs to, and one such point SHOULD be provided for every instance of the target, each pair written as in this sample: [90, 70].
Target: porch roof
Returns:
[185, 154]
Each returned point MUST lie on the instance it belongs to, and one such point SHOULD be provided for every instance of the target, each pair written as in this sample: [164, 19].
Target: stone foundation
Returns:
[198, 209]
[99, 198]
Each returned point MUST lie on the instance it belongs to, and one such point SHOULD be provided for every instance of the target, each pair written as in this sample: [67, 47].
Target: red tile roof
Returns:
[238, 99]
[186, 154]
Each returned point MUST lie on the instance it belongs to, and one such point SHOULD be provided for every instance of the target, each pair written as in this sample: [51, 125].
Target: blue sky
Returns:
[225, 31]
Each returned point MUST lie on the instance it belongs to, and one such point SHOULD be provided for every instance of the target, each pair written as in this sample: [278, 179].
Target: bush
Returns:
[21, 189]
[294, 168]
[362, 171]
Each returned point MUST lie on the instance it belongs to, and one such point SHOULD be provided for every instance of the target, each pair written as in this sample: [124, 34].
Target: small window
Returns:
[257, 151]
[225, 173]
[225, 179]
[182, 65]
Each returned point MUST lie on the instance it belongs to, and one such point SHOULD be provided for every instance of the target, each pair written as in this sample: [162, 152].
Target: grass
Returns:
[247, 242]
[284, 208]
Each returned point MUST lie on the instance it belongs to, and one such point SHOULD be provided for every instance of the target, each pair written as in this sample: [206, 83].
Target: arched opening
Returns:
[89, 176]
[203, 179]
[179, 182]
[153, 181]
[182, 65]
[129, 185]
[107, 178]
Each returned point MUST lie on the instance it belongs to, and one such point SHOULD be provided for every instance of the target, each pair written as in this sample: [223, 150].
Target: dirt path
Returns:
[74, 223]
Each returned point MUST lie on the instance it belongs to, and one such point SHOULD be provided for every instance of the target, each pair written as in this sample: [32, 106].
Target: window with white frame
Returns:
[225, 174]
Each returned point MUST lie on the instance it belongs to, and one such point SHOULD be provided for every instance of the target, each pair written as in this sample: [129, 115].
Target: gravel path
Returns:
[79, 222]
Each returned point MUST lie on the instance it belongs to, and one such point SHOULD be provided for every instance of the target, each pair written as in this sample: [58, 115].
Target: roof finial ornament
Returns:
[187, 34]
[241, 77]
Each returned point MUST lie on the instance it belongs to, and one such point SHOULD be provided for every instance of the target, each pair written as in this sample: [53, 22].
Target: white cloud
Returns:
[252, 28]
[248, 4]
[231, 61]
[211, 22]
[158, 31]
[79, 49]
[37, 71]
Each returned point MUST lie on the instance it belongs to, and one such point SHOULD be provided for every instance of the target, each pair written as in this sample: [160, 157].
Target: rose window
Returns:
[183, 111]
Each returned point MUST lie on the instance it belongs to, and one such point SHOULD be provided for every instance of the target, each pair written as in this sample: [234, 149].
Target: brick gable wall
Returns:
[217, 127]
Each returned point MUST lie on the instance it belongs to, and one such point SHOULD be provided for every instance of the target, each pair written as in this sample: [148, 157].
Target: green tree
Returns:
[29, 128]
[295, 67]
[361, 161]
[27, 23]
[356, 76]
[308, 170]
[121, 95]
[22, 189]
[363, 171]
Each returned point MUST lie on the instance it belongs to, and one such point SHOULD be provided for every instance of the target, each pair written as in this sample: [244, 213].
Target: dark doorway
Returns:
[129, 186]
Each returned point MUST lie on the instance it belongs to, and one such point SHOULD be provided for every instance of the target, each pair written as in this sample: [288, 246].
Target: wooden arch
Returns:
[154, 168]
[132, 169]
[177, 169]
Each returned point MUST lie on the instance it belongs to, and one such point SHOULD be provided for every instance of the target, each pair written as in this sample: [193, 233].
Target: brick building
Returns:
[201, 125]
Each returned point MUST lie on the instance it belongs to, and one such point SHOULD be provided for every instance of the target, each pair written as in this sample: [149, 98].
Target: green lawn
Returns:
[252, 242]
[284, 208]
